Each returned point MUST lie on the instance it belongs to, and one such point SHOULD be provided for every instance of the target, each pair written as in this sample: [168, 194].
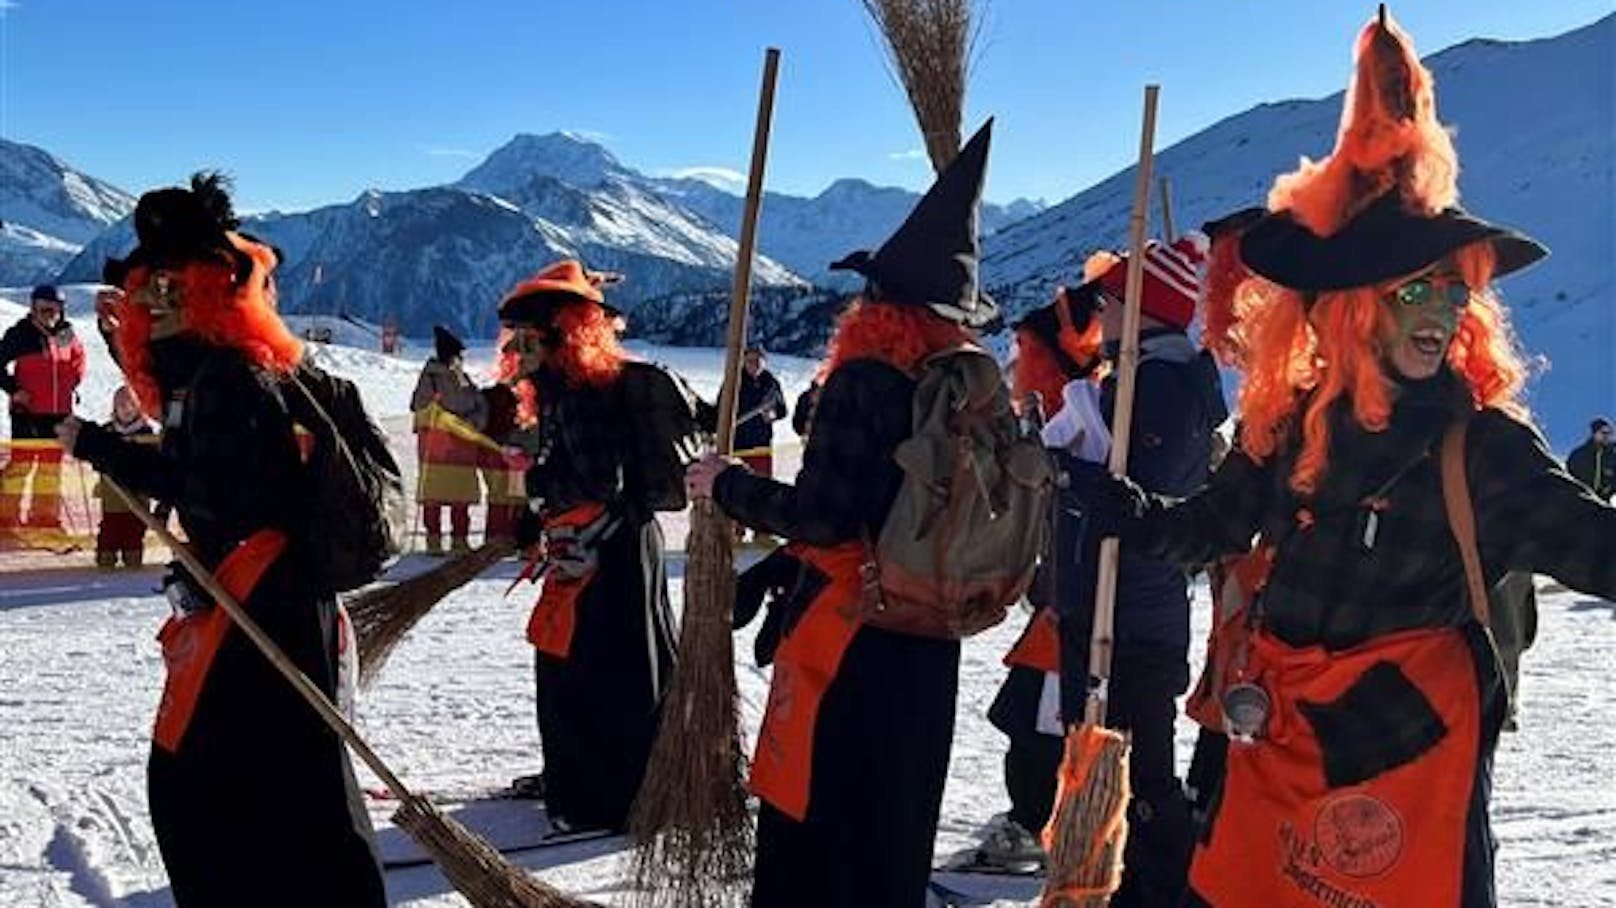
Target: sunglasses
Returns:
[1422, 291]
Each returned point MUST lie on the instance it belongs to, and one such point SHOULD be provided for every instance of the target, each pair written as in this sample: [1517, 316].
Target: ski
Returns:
[554, 840]
[1028, 872]
[949, 897]
[456, 795]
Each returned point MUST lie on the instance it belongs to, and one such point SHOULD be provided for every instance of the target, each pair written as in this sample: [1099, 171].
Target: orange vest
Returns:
[804, 666]
[1283, 837]
[190, 642]
[555, 616]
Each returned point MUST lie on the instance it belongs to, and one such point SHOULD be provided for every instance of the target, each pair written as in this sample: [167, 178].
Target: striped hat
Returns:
[1172, 278]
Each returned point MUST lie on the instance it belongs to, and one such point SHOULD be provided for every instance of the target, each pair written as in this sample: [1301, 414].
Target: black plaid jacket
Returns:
[848, 479]
[228, 461]
[1339, 581]
[624, 445]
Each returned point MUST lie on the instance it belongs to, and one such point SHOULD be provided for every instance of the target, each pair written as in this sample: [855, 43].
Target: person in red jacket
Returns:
[41, 366]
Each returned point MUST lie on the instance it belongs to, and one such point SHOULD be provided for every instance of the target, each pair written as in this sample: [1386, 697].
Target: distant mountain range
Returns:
[1535, 123]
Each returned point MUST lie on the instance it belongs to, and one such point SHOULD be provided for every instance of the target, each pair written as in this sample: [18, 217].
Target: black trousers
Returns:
[881, 747]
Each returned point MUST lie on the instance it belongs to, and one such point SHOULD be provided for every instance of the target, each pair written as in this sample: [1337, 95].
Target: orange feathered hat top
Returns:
[535, 300]
[1385, 202]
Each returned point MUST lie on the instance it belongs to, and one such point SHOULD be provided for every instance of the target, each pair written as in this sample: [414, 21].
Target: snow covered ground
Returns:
[80, 674]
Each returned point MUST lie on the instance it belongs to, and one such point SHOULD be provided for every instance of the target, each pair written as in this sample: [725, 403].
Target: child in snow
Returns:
[121, 533]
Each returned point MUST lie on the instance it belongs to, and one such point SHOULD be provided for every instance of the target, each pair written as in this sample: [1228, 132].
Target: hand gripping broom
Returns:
[480, 873]
[1086, 834]
[692, 831]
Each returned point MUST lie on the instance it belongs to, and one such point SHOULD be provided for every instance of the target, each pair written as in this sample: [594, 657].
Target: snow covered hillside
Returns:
[47, 211]
[453, 712]
[1536, 128]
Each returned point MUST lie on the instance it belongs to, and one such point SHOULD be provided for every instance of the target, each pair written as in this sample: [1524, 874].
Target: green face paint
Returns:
[1426, 311]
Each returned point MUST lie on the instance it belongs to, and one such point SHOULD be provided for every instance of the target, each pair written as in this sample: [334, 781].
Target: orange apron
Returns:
[804, 666]
[555, 616]
[1039, 646]
[191, 642]
[1344, 803]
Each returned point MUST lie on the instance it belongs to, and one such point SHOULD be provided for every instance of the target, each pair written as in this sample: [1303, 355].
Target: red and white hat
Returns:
[1172, 278]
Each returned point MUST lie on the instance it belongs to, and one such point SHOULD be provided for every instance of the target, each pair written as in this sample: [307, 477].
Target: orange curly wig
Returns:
[1301, 353]
[215, 309]
[589, 354]
[894, 333]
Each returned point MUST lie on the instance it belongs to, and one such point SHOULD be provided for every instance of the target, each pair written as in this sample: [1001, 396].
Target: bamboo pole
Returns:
[1105, 595]
[692, 831]
[1088, 830]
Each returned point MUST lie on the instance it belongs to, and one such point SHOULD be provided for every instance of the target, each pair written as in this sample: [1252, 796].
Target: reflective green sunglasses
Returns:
[1422, 291]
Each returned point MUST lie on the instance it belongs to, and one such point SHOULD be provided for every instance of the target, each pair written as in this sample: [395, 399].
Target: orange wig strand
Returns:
[1389, 138]
[1336, 351]
[589, 355]
[1036, 371]
[215, 309]
[1224, 334]
[894, 333]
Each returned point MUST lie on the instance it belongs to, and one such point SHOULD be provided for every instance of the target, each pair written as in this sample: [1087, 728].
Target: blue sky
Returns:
[309, 102]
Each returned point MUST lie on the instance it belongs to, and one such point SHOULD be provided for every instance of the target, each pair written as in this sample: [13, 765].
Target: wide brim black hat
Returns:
[1381, 243]
[932, 258]
[175, 226]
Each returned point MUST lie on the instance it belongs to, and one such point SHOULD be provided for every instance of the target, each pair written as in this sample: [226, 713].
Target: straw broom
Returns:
[929, 44]
[383, 615]
[690, 825]
[1086, 834]
[480, 873]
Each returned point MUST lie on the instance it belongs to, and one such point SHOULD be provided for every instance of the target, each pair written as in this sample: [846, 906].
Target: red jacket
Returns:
[49, 365]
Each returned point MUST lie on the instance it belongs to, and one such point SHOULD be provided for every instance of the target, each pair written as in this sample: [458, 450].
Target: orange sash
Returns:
[804, 666]
[1039, 646]
[555, 616]
[1285, 838]
[190, 642]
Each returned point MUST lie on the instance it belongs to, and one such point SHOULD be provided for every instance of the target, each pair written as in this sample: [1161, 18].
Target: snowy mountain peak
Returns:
[568, 157]
[48, 210]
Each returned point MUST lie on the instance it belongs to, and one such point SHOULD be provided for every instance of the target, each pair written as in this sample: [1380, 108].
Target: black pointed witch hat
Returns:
[932, 258]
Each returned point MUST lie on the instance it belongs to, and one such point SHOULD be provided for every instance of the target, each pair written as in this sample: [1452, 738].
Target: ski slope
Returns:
[80, 675]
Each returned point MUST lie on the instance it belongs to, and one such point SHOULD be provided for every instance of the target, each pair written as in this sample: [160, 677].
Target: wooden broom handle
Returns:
[729, 392]
[1105, 591]
[272, 651]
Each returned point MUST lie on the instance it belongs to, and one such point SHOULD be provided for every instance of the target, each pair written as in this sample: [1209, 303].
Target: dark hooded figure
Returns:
[853, 752]
[205, 353]
[1389, 474]
[609, 438]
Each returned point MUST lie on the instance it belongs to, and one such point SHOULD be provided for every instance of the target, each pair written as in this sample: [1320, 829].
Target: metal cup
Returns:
[1245, 711]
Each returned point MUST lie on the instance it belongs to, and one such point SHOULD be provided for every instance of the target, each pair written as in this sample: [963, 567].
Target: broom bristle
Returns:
[382, 615]
[1089, 828]
[692, 831]
[929, 43]
[480, 873]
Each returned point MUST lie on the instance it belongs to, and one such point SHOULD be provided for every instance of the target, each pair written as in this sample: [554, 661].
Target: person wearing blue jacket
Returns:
[1178, 405]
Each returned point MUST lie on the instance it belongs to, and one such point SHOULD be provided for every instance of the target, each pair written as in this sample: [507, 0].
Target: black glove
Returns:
[770, 578]
[1112, 504]
[528, 528]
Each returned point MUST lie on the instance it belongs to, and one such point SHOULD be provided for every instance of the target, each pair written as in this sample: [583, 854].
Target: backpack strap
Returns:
[1462, 516]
